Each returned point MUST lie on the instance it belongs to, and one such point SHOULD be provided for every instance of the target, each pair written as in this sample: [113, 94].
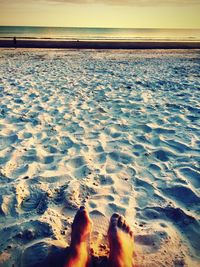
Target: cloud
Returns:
[110, 2]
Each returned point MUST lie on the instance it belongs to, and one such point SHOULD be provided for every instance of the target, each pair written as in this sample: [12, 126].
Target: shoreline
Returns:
[97, 44]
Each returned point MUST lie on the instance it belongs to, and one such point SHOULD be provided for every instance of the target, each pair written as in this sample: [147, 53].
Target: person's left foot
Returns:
[81, 229]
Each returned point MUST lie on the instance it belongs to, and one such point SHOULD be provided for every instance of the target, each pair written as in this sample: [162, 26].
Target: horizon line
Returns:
[93, 27]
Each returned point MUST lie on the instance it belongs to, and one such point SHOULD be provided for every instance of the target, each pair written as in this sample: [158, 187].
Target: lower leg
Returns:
[121, 242]
[81, 228]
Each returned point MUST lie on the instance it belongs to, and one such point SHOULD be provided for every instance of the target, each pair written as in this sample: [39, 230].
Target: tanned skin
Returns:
[120, 241]
[79, 250]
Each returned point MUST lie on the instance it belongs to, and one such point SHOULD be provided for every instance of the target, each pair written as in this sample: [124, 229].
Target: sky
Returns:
[101, 13]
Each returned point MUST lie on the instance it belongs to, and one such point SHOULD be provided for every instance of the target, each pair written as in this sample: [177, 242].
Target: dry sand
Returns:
[115, 131]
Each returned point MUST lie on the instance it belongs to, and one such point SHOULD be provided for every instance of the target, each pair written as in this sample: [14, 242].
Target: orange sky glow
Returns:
[105, 13]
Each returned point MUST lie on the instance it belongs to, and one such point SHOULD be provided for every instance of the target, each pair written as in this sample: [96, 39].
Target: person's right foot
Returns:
[121, 242]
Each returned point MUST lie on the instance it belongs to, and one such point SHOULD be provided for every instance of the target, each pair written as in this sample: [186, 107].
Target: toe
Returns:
[131, 233]
[128, 229]
[113, 222]
[82, 210]
[81, 215]
[115, 216]
[124, 226]
[114, 219]
[120, 222]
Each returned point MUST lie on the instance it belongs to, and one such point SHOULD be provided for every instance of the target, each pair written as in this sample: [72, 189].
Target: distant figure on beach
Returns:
[120, 239]
[15, 41]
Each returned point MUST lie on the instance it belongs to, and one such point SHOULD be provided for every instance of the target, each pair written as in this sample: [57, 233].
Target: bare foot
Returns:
[79, 250]
[121, 242]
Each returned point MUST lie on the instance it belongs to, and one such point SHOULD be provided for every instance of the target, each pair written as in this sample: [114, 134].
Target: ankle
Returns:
[77, 248]
[115, 262]
[120, 260]
[78, 255]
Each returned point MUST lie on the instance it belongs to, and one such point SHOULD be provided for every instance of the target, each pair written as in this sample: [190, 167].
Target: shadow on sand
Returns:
[47, 255]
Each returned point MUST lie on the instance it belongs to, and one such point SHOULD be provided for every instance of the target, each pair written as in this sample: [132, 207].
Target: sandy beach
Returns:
[116, 131]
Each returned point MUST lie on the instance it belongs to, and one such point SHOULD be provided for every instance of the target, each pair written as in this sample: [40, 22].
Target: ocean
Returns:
[73, 33]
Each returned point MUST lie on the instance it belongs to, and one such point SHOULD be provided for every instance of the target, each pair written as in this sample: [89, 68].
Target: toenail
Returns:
[120, 222]
[115, 215]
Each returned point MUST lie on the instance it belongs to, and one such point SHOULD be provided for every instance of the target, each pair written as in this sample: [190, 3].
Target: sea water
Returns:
[76, 33]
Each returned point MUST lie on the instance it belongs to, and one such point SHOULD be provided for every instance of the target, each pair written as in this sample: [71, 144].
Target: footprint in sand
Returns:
[25, 232]
[186, 224]
[43, 254]
[6, 141]
[121, 157]
[81, 169]
[6, 155]
[151, 242]
[163, 155]
[99, 233]
[36, 201]
[100, 158]
[191, 175]
[77, 162]
[47, 159]
[105, 180]
[16, 172]
[179, 193]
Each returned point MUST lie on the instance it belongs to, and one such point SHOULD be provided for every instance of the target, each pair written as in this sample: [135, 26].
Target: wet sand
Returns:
[116, 131]
[79, 44]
